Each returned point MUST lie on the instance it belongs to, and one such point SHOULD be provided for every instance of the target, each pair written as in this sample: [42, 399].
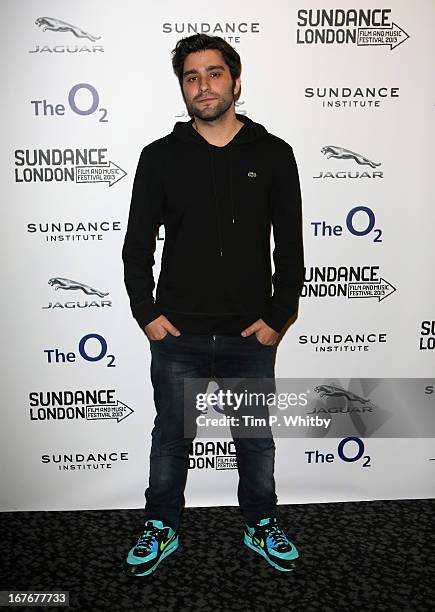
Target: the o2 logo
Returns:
[360, 221]
[368, 224]
[349, 450]
[83, 100]
[91, 348]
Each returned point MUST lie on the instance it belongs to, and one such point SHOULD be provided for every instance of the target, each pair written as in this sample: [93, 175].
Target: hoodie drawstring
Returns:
[216, 201]
[233, 212]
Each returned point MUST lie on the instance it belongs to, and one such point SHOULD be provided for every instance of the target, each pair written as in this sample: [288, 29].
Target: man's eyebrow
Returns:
[208, 68]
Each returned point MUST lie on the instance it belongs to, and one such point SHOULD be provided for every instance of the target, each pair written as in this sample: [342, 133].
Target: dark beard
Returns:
[212, 114]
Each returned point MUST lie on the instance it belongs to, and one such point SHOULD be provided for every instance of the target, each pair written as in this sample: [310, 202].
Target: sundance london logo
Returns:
[361, 27]
[352, 282]
[213, 454]
[80, 166]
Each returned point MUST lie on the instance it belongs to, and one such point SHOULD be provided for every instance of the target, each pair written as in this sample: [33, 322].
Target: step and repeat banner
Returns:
[86, 85]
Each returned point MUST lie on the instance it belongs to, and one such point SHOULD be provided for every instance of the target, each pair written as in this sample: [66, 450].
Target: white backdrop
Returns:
[96, 77]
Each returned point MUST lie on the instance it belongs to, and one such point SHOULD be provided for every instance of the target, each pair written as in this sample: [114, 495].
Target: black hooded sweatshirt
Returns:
[217, 205]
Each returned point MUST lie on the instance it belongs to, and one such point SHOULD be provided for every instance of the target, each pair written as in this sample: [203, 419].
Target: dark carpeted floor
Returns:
[369, 556]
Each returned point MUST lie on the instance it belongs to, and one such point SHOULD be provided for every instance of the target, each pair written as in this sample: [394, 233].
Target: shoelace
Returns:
[278, 537]
[147, 537]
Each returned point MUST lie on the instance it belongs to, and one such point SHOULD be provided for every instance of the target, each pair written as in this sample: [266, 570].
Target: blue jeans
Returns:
[206, 357]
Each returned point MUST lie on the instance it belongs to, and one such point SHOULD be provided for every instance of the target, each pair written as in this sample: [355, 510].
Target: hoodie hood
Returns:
[248, 133]
[251, 131]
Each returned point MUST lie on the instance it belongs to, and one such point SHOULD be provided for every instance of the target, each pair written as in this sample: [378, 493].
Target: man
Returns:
[218, 183]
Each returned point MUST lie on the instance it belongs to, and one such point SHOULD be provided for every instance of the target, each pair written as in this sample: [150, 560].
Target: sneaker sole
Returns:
[261, 552]
[168, 550]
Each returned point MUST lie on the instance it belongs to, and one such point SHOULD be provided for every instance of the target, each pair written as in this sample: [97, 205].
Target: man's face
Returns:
[207, 85]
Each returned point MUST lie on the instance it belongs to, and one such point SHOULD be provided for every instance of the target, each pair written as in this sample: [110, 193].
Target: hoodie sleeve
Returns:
[146, 211]
[288, 254]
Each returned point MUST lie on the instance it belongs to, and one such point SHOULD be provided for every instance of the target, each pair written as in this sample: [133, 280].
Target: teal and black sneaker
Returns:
[156, 543]
[268, 540]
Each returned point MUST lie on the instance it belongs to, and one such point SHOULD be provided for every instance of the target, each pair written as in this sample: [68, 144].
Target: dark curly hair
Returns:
[201, 42]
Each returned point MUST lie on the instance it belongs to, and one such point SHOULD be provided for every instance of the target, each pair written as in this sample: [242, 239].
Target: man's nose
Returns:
[203, 83]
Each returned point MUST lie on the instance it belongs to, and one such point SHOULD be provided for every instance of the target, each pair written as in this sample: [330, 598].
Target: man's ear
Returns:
[237, 87]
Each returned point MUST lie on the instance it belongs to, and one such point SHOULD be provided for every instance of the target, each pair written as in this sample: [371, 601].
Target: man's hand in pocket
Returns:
[157, 329]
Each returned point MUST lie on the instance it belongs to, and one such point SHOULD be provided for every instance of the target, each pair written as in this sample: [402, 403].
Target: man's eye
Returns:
[216, 74]
[190, 78]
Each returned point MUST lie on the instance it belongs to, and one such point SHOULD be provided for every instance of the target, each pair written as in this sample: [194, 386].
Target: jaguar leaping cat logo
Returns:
[66, 283]
[330, 391]
[340, 153]
[56, 25]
